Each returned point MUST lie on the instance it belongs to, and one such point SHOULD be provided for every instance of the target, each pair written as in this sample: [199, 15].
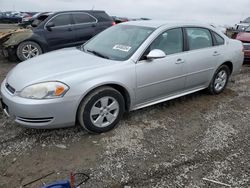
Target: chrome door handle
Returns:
[179, 61]
[216, 53]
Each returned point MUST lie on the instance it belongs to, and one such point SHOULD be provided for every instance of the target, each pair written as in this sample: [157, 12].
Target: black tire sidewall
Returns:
[212, 85]
[87, 108]
[20, 47]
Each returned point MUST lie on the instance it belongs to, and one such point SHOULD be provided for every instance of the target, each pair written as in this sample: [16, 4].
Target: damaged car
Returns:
[52, 31]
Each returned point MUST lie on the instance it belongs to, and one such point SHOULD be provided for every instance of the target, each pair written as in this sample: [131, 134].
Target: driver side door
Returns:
[61, 34]
[163, 77]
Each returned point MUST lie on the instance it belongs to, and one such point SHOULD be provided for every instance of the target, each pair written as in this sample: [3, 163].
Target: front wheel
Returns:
[101, 110]
[27, 50]
[220, 80]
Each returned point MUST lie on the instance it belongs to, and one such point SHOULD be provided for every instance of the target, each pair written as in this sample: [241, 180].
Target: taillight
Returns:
[113, 23]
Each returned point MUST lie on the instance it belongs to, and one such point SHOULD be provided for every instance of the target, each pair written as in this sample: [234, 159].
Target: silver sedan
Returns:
[126, 67]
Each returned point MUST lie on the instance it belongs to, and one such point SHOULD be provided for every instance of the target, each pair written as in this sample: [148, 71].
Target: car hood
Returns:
[244, 36]
[54, 66]
[15, 36]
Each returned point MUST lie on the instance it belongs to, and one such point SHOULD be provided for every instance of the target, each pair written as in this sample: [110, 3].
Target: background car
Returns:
[52, 31]
[244, 37]
[118, 20]
[26, 21]
[126, 67]
[243, 24]
[11, 17]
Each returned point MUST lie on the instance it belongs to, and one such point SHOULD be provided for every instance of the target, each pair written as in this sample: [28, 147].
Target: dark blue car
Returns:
[51, 31]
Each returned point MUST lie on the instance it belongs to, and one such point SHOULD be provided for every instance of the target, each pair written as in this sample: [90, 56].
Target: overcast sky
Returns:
[210, 11]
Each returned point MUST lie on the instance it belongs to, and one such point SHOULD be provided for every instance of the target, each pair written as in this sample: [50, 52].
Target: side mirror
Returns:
[156, 54]
[50, 25]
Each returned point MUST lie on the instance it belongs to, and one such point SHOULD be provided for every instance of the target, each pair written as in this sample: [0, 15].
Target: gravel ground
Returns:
[172, 144]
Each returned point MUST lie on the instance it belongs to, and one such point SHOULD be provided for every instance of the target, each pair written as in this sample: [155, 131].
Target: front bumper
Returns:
[246, 52]
[247, 56]
[48, 114]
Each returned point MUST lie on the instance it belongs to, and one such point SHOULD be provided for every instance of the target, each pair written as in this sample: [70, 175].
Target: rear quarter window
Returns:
[218, 40]
[102, 16]
[81, 18]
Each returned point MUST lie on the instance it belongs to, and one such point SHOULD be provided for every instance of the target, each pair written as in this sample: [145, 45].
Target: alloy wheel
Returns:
[30, 51]
[104, 112]
[220, 80]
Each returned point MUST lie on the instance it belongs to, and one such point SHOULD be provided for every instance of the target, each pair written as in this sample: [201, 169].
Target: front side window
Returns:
[81, 18]
[199, 38]
[218, 39]
[170, 42]
[62, 20]
[118, 42]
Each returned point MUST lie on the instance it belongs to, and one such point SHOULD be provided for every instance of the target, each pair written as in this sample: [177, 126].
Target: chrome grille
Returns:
[246, 46]
[35, 120]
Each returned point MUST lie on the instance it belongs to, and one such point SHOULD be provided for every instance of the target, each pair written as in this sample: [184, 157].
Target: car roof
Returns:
[160, 23]
[88, 11]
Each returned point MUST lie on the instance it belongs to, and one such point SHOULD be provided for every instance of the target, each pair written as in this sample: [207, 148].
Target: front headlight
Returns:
[46, 90]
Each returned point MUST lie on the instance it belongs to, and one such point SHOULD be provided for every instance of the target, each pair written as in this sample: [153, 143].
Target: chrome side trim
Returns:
[163, 99]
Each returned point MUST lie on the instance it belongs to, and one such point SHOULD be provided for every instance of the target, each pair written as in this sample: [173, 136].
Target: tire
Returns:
[92, 114]
[220, 80]
[31, 48]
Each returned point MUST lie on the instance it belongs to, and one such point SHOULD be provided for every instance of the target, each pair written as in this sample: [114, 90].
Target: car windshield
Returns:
[39, 20]
[118, 42]
[247, 20]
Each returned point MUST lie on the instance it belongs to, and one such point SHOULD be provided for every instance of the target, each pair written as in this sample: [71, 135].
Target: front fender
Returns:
[17, 37]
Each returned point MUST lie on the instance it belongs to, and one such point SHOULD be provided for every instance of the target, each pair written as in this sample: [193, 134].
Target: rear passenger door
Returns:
[200, 58]
[84, 26]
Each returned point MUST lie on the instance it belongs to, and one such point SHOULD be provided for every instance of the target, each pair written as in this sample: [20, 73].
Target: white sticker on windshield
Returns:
[122, 48]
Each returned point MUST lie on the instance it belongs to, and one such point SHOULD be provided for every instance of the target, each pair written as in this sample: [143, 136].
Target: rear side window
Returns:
[170, 42]
[218, 40]
[81, 18]
[102, 17]
[199, 38]
[62, 20]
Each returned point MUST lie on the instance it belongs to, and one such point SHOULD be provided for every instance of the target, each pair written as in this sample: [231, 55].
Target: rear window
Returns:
[80, 18]
[102, 16]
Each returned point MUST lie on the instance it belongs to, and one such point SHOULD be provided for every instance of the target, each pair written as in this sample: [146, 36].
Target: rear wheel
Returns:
[27, 50]
[101, 110]
[220, 80]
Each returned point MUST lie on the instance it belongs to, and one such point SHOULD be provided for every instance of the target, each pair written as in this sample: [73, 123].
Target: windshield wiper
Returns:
[98, 54]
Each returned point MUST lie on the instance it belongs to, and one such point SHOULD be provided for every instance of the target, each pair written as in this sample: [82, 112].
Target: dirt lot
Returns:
[173, 144]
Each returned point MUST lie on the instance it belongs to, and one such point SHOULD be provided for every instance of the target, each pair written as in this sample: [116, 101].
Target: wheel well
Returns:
[119, 88]
[124, 93]
[35, 41]
[230, 66]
